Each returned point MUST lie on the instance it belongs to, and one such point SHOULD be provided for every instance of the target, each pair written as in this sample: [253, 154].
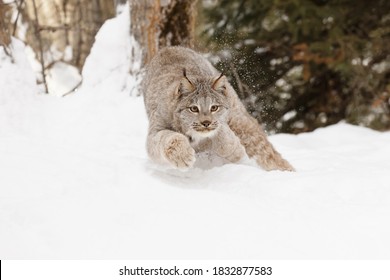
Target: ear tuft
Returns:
[219, 83]
[186, 85]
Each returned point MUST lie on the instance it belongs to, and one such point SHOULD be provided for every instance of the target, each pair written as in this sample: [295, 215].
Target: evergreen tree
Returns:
[299, 65]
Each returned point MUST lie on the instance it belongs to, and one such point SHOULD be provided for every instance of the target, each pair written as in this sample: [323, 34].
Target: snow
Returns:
[76, 183]
[17, 82]
[62, 78]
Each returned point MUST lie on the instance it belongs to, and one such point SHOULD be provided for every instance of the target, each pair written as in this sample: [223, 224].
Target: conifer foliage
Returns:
[299, 65]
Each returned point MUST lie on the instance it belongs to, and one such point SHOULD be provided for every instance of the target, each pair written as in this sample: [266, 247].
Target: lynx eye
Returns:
[194, 109]
[214, 108]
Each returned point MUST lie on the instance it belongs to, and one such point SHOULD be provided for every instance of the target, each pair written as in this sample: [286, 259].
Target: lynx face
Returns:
[202, 106]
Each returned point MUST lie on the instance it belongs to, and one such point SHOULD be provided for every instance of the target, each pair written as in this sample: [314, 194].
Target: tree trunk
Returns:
[67, 23]
[5, 38]
[159, 23]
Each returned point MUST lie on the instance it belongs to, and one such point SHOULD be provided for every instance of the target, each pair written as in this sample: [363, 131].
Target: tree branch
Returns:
[54, 28]
[19, 8]
[40, 46]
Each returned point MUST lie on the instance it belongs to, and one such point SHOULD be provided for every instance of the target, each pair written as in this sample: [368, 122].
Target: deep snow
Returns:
[75, 180]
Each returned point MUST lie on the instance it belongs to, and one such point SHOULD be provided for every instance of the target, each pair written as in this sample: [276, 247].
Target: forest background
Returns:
[296, 64]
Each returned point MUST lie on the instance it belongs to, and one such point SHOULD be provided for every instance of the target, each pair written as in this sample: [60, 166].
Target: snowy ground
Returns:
[75, 181]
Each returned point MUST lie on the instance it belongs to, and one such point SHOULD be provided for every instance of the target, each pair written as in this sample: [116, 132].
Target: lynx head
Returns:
[202, 105]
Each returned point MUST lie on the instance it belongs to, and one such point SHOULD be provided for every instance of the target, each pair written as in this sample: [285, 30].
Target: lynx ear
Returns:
[219, 84]
[186, 85]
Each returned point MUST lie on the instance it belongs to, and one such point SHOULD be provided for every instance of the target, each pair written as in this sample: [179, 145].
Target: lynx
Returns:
[193, 109]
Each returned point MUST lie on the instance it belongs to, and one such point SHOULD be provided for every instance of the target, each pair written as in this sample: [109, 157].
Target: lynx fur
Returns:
[193, 109]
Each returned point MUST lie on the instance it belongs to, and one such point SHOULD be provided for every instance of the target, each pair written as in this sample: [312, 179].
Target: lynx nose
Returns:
[206, 123]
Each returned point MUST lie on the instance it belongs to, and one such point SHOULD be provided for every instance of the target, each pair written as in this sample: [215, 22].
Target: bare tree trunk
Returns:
[5, 38]
[67, 24]
[159, 23]
[87, 17]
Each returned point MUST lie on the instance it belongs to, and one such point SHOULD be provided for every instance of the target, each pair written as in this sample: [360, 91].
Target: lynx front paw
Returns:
[227, 145]
[179, 152]
[231, 151]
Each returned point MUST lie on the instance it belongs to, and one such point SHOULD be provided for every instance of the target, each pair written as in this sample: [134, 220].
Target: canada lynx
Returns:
[193, 109]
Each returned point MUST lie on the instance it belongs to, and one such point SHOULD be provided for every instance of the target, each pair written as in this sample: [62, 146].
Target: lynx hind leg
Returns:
[228, 146]
[171, 147]
[255, 141]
